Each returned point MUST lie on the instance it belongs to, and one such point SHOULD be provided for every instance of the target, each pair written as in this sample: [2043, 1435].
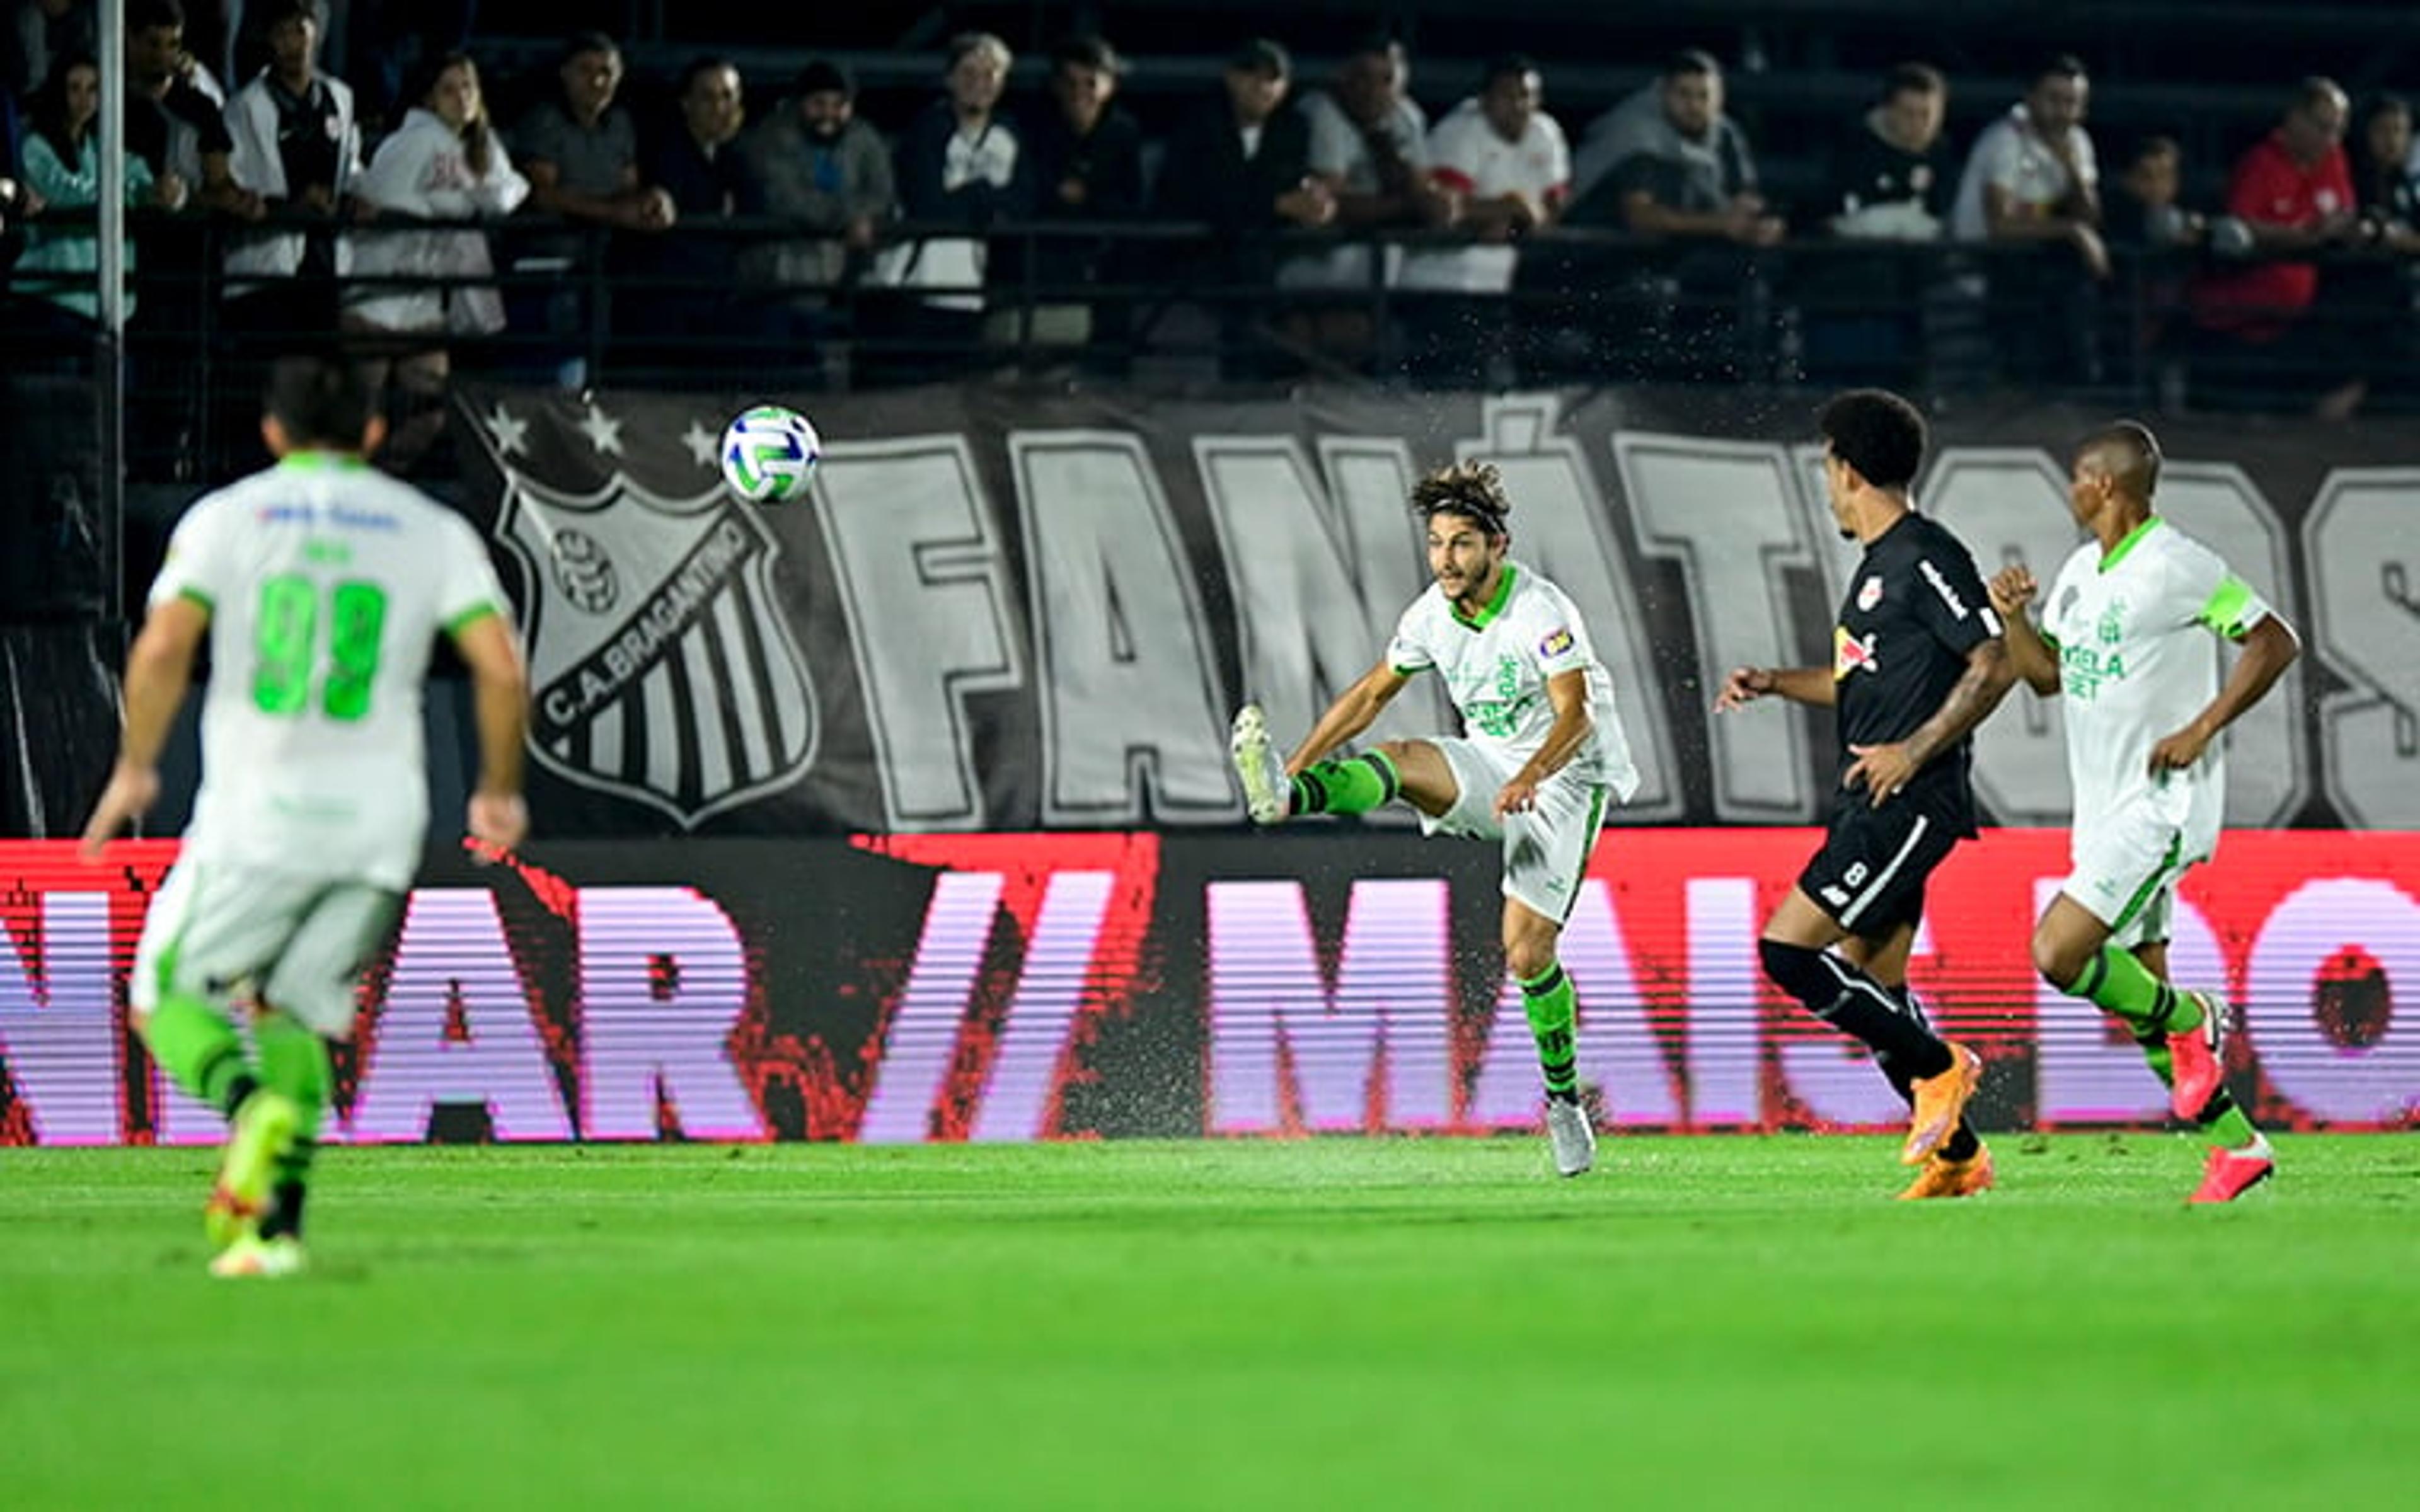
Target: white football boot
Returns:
[1569, 1132]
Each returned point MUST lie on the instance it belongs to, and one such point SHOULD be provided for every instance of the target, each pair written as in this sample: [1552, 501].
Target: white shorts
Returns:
[1545, 849]
[297, 943]
[2127, 866]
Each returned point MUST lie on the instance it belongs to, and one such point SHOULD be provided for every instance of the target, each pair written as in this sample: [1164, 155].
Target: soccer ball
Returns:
[769, 454]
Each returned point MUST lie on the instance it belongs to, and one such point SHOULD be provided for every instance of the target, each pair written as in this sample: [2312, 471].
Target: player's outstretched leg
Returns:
[196, 1045]
[1553, 1011]
[1340, 785]
[262, 1133]
[1962, 1167]
[2118, 984]
[2240, 1157]
[1267, 796]
[293, 1061]
[1942, 1076]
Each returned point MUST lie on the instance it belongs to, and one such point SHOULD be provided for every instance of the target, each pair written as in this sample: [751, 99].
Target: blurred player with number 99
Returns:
[321, 586]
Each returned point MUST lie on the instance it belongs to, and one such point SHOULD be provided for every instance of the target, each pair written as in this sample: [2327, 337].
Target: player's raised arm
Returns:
[159, 668]
[2030, 653]
[1799, 685]
[2269, 648]
[500, 703]
[1355, 710]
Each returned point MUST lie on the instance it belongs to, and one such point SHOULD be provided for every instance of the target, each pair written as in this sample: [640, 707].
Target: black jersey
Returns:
[1915, 608]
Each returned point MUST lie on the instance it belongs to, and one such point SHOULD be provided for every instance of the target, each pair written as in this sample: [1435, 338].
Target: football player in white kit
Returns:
[320, 585]
[2128, 636]
[1543, 756]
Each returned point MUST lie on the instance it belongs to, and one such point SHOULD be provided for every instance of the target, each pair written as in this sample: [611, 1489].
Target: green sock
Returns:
[1355, 784]
[196, 1045]
[2228, 1124]
[293, 1060]
[1552, 1008]
[2119, 983]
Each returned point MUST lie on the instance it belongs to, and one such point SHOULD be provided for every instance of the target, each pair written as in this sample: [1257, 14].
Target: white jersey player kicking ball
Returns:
[1544, 754]
[319, 585]
[2127, 636]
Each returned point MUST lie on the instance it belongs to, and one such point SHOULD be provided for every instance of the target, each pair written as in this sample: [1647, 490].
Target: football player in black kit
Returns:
[1917, 662]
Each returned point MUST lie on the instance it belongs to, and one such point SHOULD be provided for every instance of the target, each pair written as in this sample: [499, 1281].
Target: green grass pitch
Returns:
[1330, 1323]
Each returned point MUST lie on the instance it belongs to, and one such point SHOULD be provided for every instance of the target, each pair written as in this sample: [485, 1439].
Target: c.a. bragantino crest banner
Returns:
[1005, 610]
[661, 665]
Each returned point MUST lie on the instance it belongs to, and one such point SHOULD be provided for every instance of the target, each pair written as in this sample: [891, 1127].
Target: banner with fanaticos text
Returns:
[1016, 987]
[1008, 609]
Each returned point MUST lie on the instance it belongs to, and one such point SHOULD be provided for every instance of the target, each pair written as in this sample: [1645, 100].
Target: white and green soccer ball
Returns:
[769, 454]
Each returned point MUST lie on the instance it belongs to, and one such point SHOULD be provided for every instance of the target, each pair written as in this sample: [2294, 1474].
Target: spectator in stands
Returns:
[2261, 323]
[2145, 209]
[2377, 290]
[172, 120]
[963, 165]
[1369, 146]
[1242, 165]
[694, 269]
[814, 164]
[1507, 160]
[173, 123]
[1891, 180]
[1087, 166]
[63, 167]
[43, 30]
[444, 163]
[1668, 163]
[295, 145]
[1888, 181]
[2033, 182]
[581, 148]
[2144, 215]
[580, 153]
[1672, 164]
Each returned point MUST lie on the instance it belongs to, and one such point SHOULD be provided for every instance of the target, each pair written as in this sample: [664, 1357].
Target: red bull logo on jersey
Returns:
[1850, 653]
[660, 665]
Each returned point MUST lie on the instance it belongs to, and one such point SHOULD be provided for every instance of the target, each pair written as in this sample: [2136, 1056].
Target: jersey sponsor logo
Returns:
[663, 669]
[1555, 644]
[2083, 670]
[1941, 586]
[1496, 706]
[1869, 593]
[1852, 652]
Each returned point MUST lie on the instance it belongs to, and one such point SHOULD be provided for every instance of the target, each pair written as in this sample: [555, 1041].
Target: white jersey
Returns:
[1469, 155]
[2137, 663]
[2012, 154]
[1495, 666]
[327, 583]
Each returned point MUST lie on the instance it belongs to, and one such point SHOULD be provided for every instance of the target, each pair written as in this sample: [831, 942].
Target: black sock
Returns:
[285, 1215]
[286, 1191]
[1839, 994]
[239, 1087]
[1963, 1142]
